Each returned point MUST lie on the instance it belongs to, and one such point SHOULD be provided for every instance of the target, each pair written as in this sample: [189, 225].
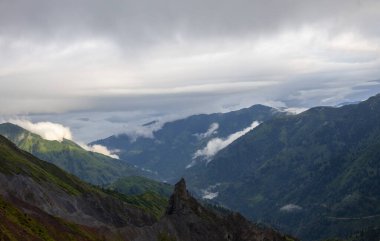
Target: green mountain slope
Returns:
[43, 184]
[135, 185]
[315, 174]
[89, 166]
[144, 192]
[43, 200]
[174, 145]
[15, 224]
[39, 201]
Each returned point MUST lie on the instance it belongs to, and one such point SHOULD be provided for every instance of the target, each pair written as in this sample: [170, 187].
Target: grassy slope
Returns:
[17, 225]
[144, 192]
[14, 161]
[135, 185]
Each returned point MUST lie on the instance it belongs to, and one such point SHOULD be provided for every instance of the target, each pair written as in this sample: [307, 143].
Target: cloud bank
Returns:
[47, 130]
[217, 144]
[100, 149]
[56, 132]
[209, 195]
[213, 129]
[289, 208]
[294, 110]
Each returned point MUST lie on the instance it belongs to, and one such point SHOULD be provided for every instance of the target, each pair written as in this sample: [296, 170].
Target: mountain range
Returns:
[315, 174]
[173, 147]
[39, 201]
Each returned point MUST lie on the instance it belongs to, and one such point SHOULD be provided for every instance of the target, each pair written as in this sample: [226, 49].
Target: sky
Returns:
[104, 67]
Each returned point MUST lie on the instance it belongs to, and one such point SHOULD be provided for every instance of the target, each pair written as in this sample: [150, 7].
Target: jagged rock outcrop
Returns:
[187, 220]
[180, 200]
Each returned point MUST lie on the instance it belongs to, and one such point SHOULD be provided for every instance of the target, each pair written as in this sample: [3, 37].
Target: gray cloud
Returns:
[154, 21]
[166, 56]
[291, 208]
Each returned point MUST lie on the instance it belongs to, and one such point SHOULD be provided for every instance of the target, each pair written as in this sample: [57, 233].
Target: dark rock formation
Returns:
[180, 199]
[187, 220]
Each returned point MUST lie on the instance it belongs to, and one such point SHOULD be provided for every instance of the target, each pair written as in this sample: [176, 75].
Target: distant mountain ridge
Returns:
[89, 166]
[173, 146]
[298, 171]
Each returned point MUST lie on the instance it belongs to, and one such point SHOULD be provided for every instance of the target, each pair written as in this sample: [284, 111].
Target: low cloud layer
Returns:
[213, 129]
[100, 149]
[294, 110]
[217, 144]
[147, 131]
[57, 132]
[210, 192]
[209, 195]
[47, 130]
[289, 208]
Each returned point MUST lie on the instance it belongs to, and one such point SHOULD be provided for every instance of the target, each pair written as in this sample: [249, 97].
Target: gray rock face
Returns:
[90, 209]
[178, 199]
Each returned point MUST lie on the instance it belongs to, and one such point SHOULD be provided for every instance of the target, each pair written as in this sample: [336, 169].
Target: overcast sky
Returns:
[98, 59]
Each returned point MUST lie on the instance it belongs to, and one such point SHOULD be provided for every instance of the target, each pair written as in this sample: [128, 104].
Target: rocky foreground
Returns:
[39, 201]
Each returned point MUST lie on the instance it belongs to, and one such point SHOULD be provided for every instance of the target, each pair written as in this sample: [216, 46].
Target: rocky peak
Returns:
[180, 189]
[190, 221]
[178, 202]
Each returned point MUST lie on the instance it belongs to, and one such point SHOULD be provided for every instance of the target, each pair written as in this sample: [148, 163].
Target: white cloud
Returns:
[213, 129]
[210, 195]
[217, 144]
[295, 110]
[210, 192]
[47, 130]
[136, 131]
[290, 208]
[56, 132]
[100, 149]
